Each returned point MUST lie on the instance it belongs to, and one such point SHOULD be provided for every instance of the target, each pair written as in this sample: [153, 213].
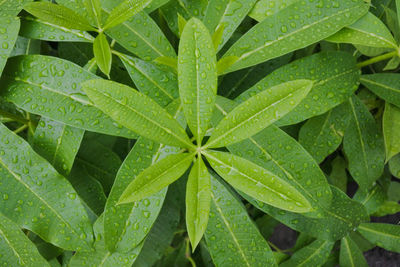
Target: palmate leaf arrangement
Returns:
[289, 126]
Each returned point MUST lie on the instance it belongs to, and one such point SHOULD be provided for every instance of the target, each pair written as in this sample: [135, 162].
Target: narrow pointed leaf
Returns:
[257, 182]
[50, 87]
[227, 15]
[314, 254]
[151, 80]
[102, 53]
[230, 227]
[335, 77]
[363, 145]
[391, 130]
[198, 201]
[350, 254]
[136, 112]
[258, 112]
[42, 30]
[323, 134]
[332, 223]
[384, 85]
[36, 197]
[382, 235]
[59, 15]
[57, 143]
[8, 37]
[125, 11]
[372, 199]
[368, 30]
[156, 177]
[279, 31]
[265, 8]
[93, 7]
[293, 164]
[197, 76]
[16, 248]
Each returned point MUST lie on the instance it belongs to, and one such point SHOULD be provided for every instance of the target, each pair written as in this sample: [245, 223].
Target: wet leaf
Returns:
[350, 254]
[124, 11]
[383, 235]
[391, 130]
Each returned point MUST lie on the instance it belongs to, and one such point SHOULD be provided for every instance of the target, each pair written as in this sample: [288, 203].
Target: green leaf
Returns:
[372, 199]
[50, 87]
[156, 177]
[102, 53]
[197, 77]
[394, 166]
[12, 7]
[384, 85]
[93, 7]
[323, 134]
[331, 223]
[155, 4]
[151, 80]
[259, 111]
[398, 10]
[170, 62]
[232, 238]
[59, 15]
[350, 254]
[275, 35]
[265, 8]
[198, 201]
[227, 15]
[100, 256]
[363, 145]
[37, 29]
[57, 143]
[338, 175]
[368, 30]
[8, 36]
[382, 235]
[335, 77]
[387, 208]
[257, 182]
[315, 254]
[136, 112]
[391, 130]
[16, 248]
[124, 11]
[36, 197]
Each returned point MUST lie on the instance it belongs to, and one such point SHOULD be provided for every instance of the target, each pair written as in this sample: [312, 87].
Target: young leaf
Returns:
[232, 238]
[315, 254]
[258, 112]
[16, 248]
[368, 30]
[335, 77]
[57, 143]
[36, 197]
[151, 80]
[226, 15]
[8, 36]
[59, 15]
[102, 53]
[197, 76]
[93, 7]
[384, 85]
[156, 177]
[391, 130]
[269, 39]
[50, 87]
[198, 201]
[136, 112]
[332, 223]
[125, 11]
[257, 182]
[323, 134]
[363, 145]
[383, 235]
[43, 30]
[350, 254]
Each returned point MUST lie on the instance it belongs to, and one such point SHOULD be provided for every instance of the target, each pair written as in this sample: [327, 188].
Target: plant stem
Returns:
[377, 59]
[20, 129]
[274, 247]
[17, 118]
[187, 253]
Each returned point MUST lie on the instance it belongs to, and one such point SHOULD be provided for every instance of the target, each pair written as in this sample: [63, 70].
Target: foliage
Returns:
[180, 132]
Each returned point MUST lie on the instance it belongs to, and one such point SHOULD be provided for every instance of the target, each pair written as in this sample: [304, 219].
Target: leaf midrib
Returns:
[12, 247]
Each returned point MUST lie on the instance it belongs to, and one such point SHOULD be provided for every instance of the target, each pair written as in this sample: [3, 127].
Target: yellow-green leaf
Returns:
[102, 53]
[124, 11]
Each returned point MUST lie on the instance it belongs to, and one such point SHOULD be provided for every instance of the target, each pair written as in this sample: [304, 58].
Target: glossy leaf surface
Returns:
[124, 11]
[384, 85]
[383, 235]
[391, 130]
[102, 53]
[350, 254]
[136, 112]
